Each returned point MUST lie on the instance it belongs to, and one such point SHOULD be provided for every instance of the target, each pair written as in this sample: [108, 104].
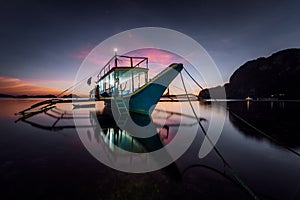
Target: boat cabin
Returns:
[122, 75]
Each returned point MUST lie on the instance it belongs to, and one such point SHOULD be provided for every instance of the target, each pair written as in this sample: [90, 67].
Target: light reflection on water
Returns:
[33, 156]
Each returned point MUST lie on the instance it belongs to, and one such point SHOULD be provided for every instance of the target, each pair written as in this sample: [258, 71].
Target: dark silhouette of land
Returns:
[274, 77]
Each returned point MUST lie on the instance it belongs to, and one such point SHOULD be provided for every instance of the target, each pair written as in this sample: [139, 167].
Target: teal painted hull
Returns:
[144, 99]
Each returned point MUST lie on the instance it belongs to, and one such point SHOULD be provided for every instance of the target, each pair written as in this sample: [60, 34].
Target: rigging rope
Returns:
[235, 175]
[75, 85]
[193, 79]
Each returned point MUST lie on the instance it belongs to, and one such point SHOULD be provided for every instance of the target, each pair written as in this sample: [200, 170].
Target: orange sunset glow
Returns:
[16, 86]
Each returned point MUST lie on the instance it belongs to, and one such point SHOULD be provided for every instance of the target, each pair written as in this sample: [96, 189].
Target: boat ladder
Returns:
[122, 110]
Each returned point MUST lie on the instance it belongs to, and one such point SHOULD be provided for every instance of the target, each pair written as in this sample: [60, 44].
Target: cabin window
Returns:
[130, 74]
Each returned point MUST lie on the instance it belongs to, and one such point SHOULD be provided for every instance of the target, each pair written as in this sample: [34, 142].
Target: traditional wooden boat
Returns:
[123, 82]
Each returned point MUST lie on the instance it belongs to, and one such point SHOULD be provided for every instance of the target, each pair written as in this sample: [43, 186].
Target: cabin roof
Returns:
[123, 63]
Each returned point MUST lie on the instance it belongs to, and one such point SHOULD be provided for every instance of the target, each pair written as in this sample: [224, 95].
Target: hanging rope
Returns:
[235, 175]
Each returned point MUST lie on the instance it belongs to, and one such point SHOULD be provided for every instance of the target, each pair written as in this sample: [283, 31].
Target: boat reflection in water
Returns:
[112, 134]
[131, 144]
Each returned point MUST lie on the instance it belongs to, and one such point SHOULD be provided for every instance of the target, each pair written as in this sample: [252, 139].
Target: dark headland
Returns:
[274, 77]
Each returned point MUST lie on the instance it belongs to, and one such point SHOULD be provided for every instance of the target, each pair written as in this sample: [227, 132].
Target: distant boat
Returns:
[123, 82]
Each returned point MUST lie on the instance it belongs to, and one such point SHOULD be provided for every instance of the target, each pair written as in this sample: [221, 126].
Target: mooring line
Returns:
[232, 171]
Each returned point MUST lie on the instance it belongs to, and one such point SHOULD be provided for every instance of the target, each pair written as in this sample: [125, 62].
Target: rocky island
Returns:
[274, 77]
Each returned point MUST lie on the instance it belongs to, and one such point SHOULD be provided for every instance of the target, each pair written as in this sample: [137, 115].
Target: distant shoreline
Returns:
[49, 96]
[203, 100]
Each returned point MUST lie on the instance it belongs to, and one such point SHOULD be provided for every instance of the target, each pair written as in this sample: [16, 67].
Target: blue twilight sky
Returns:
[44, 42]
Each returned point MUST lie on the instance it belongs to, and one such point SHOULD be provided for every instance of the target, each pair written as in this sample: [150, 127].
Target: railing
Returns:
[123, 61]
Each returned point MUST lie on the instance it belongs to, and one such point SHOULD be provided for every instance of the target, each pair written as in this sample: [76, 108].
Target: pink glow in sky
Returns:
[158, 60]
[157, 56]
[83, 52]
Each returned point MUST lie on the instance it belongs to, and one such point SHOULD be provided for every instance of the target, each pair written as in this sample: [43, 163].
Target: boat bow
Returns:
[145, 98]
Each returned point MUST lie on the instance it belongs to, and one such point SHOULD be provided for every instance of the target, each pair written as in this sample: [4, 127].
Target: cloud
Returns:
[95, 56]
[16, 86]
[158, 59]
[157, 56]
[82, 52]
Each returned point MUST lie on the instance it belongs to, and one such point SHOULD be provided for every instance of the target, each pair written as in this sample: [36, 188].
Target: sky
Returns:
[43, 43]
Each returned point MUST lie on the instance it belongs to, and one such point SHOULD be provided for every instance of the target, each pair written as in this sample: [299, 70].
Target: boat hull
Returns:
[144, 99]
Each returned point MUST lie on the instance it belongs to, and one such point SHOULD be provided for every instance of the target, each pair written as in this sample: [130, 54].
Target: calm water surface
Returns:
[36, 163]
